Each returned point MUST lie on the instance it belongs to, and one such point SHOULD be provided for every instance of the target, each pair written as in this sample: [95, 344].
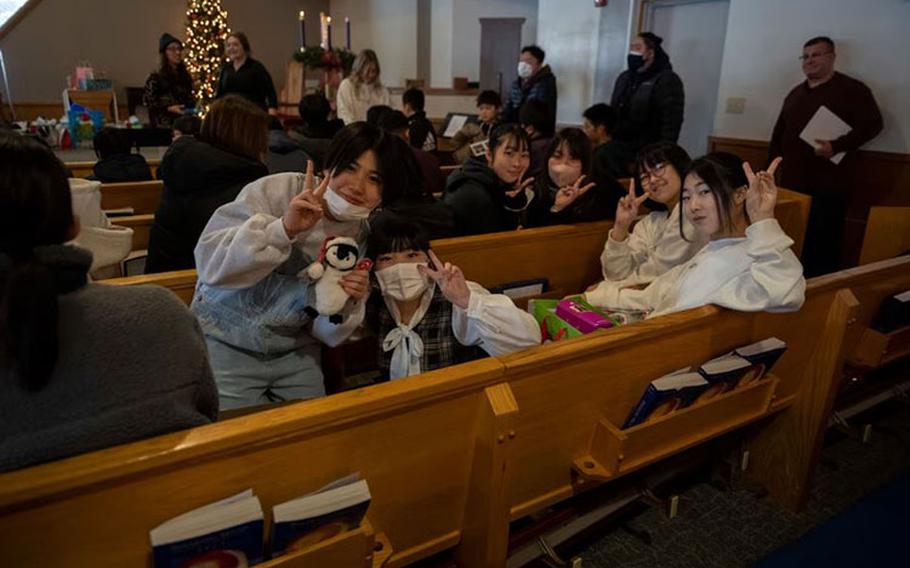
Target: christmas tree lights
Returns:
[206, 30]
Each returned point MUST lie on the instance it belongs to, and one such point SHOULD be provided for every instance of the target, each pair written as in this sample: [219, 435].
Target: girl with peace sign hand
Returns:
[567, 192]
[427, 315]
[252, 298]
[747, 264]
[655, 245]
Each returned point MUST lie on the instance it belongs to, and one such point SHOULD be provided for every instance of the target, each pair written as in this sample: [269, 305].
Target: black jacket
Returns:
[164, 89]
[198, 178]
[649, 106]
[477, 197]
[597, 204]
[541, 86]
[420, 132]
[121, 168]
[284, 155]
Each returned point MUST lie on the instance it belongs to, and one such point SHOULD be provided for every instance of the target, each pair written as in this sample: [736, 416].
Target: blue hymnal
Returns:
[725, 372]
[666, 394]
[225, 533]
[330, 511]
[762, 355]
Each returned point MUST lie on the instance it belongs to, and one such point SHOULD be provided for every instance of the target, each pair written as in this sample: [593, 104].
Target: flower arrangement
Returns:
[318, 57]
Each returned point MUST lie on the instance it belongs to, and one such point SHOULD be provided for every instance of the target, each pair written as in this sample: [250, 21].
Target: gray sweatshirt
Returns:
[132, 364]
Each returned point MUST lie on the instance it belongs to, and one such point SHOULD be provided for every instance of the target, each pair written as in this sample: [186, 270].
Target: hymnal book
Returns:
[763, 354]
[894, 313]
[227, 533]
[523, 288]
[825, 125]
[666, 394]
[120, 212]
[725, 373]
[330, 511]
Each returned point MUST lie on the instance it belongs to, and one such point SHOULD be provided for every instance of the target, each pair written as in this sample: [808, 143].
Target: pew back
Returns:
[142, 196]
[887, 234]
[85, 169]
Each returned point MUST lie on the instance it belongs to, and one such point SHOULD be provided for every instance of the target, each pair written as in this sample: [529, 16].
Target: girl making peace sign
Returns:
[250, 298]
[746, 266]
[427, 315]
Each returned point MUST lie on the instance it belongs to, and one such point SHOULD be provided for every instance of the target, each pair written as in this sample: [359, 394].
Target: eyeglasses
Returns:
[812, 56]
[657, 171]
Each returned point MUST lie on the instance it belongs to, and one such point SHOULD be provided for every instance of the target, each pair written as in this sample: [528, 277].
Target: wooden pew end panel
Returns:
[615, 452]
[876, 349]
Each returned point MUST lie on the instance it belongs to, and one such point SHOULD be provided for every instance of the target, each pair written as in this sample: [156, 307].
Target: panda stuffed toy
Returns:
[337, 258]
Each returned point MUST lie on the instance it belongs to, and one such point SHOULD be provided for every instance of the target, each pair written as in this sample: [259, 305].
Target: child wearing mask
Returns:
[746, 266]
[427, 316]
[566, 193]
[251, 299]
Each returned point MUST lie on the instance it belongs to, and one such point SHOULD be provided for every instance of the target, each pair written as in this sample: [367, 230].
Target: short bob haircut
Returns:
[314, 109]
[538, 114]
[601, 114]
[414, 98]
[398, 169]
[723, 173]
[395, 234]
[655, 155]
[364, 58]
[536, 52]
[578, 145]
[509, 134]
[238, 126]
[111, 142]
[489, 98]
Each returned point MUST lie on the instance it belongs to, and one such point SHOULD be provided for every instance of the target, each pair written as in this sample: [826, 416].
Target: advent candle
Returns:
[347, 26]
[322, 32]
[328, 26]
[302, 30]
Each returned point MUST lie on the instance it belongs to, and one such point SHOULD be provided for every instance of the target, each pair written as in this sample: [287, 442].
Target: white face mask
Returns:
[524, 69]
[402, 281]
[344, 210]
[563, 175]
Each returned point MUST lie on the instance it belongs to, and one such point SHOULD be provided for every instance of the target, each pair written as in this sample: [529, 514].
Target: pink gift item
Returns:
[580, 317]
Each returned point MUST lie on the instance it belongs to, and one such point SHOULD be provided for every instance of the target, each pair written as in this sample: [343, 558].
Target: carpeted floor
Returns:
[719, 528]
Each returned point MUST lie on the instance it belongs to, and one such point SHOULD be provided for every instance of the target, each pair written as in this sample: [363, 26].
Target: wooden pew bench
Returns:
[85, 169]
[887, 234]
[142, 196]
[453, 455]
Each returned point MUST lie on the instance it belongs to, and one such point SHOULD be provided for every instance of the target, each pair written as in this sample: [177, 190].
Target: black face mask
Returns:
[635, 61]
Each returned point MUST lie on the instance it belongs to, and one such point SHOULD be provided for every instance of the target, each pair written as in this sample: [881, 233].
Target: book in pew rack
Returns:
[336, 508]
[762, 354]
[894, 313]
[726, 372]
[224, 534]
[666, 394]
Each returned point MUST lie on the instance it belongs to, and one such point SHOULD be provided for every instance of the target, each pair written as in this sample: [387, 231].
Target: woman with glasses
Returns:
[169, 90]
[655, 245]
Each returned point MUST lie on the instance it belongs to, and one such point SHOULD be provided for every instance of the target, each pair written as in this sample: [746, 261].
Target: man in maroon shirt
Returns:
[809, 169]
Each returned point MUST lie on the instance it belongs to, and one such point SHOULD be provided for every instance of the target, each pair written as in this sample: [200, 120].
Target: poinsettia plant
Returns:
[318, 57]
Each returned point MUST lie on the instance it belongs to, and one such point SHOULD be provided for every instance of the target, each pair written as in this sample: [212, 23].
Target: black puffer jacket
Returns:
[198, 178]
[121, 168]
[649, 105]
[478, 198]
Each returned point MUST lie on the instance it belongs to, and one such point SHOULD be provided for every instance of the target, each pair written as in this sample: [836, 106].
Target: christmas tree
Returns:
[206, 30]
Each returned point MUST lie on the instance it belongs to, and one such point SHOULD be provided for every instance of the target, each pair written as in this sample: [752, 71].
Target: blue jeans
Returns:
[247, 378]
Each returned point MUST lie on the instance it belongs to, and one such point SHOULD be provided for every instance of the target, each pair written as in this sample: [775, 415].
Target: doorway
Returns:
[694, 32]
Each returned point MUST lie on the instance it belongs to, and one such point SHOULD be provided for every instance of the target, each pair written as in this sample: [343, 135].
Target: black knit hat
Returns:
[166, 40]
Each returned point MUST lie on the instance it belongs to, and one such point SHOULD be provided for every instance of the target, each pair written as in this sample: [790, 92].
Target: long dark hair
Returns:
[179, 74]
[35, 210]
[723, 173]
[401, 177]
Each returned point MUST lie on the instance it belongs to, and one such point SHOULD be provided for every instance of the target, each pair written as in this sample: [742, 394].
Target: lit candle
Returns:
[328, 26]
[302, 30]
[322, 31]
[347, 27]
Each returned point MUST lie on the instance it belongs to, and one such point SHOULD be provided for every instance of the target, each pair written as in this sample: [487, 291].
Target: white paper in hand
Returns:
[455, 125]
[825, 125]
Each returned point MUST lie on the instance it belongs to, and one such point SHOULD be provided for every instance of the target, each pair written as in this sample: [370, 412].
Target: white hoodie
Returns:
[108, 243]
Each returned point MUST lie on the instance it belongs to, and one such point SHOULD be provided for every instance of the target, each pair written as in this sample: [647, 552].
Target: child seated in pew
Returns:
[186, 125]
[116, 161]
[250, 300]
[563, 194]
[656, 243]
[490, 195]
[488, 106]
[746, 266]
[426, 315]
[84, 366]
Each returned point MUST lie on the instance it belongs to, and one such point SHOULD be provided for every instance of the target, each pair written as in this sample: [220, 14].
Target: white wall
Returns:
[441, 15]
[389, 27]
[764, 39]
[466, 30]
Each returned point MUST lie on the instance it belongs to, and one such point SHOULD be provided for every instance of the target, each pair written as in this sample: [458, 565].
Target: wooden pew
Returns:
[887, 234]
[141, 225]
[85, 169]
[534, 250]
[142, 196]
[451, 456]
